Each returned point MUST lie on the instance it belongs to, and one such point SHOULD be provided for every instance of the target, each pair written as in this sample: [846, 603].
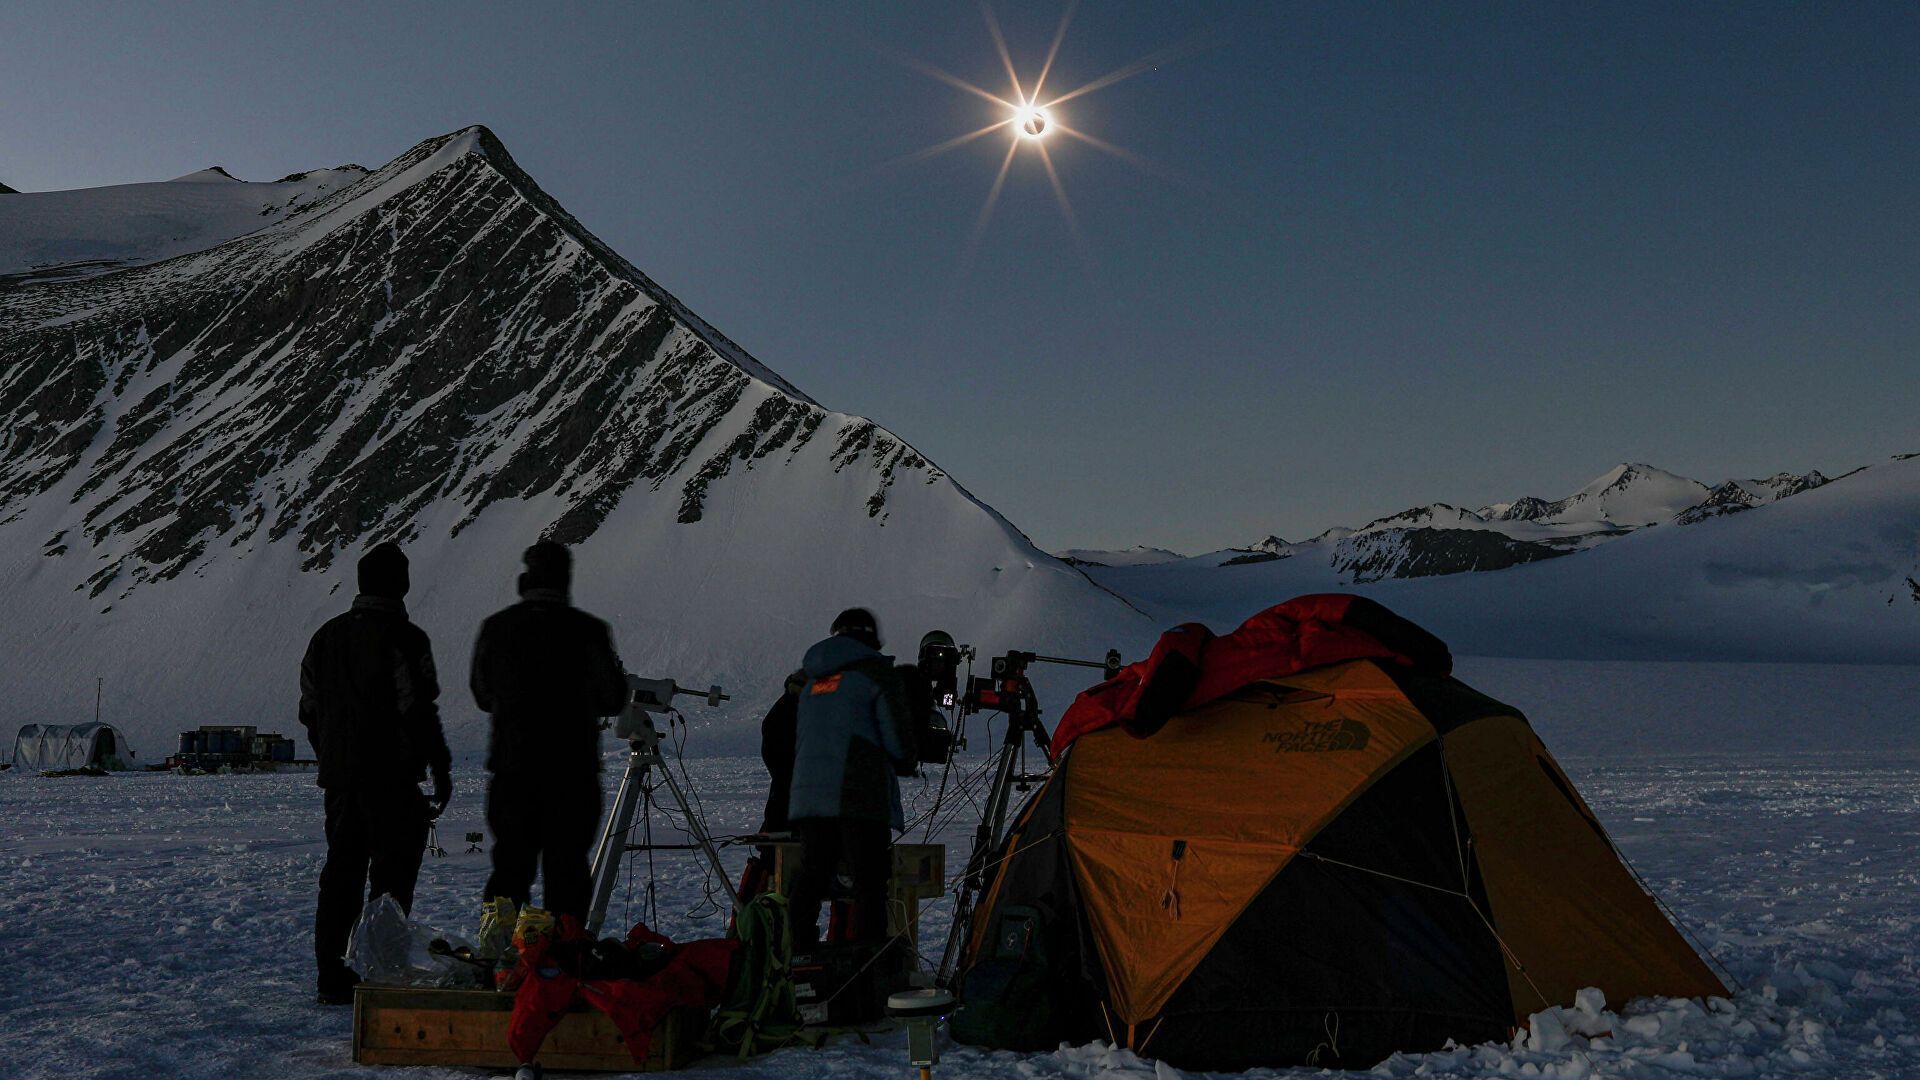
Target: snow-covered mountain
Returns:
[1440, 538]
[1824, 575]
[61, 235]
[196, 450]
[1624, 496]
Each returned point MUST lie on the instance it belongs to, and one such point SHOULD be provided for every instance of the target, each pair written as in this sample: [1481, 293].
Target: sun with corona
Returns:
[1033, 119]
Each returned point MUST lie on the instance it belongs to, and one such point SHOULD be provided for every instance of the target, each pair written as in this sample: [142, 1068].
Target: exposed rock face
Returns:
[441, 333]
[1425, 552]
[1526, 508]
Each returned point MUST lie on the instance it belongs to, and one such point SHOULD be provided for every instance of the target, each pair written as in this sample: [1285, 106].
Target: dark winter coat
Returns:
[368, 698]
[547, 672]
[776, 752]
[851, 740]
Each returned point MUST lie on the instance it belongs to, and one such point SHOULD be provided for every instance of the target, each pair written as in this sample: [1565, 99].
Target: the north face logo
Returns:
[1315, 738]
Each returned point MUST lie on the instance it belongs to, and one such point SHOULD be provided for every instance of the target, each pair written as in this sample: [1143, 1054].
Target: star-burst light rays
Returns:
[1032, 118]
[1053, 50]
[1006, 58]
[980, 223]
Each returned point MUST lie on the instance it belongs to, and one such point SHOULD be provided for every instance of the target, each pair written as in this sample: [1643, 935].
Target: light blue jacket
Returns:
[851, 742]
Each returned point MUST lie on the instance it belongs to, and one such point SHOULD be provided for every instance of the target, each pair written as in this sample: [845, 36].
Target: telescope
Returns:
[646, 697]
[1009, 691]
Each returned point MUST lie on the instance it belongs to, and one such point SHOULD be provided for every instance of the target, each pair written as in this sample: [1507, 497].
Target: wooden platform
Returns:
[401, 1025]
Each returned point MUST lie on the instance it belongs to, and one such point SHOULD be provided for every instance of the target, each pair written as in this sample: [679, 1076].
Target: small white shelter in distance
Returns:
[53, 747]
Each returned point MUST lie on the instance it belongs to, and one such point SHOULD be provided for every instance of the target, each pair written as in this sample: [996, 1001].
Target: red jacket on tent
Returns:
[1190, 666]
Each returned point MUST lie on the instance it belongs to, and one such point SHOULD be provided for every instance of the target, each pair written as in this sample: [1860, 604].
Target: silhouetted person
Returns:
[776, 752]
[547, 672]
[367, 699]
[850, 747]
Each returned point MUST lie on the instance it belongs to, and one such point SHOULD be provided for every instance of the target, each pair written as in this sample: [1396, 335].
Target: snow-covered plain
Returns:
[156, 925]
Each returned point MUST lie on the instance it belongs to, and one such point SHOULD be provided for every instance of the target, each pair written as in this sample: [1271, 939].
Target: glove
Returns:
[442, 793]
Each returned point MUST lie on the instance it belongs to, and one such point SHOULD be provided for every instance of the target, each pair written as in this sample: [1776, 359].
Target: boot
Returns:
[532, 935]
[495, 939]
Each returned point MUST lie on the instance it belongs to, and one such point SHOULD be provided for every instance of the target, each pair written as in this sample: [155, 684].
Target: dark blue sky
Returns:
[1384, 254]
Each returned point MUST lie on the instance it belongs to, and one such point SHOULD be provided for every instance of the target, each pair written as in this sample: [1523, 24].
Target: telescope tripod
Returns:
[1010, 773]
[643, 760]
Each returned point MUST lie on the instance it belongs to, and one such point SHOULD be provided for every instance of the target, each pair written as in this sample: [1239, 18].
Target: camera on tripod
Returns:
[1007, 689]
[938, 668]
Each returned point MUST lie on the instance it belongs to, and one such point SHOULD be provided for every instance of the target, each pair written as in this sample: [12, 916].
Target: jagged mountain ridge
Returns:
[440, 354]
[1441, 538]
[1825, 575]
[429, 394]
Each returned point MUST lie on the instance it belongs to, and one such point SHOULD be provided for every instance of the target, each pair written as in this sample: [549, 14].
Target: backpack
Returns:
[1009, 998]
[759, 1012]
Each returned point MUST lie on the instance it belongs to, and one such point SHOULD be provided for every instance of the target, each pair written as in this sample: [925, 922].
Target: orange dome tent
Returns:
[1303, 842]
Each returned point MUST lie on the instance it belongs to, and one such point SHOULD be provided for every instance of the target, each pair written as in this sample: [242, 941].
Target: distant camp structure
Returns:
[1304, 842]
[92, 748]
[234, 748]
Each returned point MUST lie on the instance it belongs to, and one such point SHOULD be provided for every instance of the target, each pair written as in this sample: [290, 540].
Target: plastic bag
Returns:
[389, 949]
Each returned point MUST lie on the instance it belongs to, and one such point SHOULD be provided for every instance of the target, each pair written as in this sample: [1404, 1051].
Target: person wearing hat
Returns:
[368, 697]
[547, 672]
[851, 744]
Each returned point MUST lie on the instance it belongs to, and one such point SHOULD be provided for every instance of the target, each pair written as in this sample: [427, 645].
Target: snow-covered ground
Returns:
[155, 925]
[61, 235]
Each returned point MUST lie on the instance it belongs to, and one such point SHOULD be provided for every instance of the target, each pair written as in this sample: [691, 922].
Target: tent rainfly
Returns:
[51, 747]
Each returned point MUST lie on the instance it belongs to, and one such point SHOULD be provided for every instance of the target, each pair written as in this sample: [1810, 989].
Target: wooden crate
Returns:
[919, 873]
[919, 870]
[402, 1025]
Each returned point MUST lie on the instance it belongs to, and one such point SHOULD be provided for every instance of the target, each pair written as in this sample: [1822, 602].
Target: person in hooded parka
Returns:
[850, 747]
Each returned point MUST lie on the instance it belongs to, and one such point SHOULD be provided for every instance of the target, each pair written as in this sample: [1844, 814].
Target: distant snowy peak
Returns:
[1630, 495]
[1441, 538]
[1734, 496]
[1138, 555]
[1782, 484]
[212, 174]
[1431, 516]
[64, 235]
[1525, 508]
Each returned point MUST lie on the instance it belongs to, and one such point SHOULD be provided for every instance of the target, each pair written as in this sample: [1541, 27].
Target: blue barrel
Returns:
[223, 742]
[235, 743]
[186, 742]
[283, 750]
[199, 741]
